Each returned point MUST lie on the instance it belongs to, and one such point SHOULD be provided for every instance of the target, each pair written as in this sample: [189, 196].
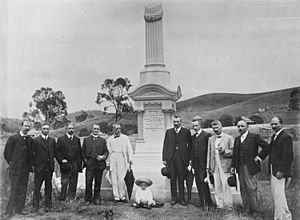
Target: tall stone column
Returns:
[154, 71]
[154, 35]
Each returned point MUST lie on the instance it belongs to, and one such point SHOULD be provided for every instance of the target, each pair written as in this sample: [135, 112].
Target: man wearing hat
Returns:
[175, 155]
[219, 155]
[69, 156]
[94, 153]
[119, 161]
[246, 161]
[143, 195]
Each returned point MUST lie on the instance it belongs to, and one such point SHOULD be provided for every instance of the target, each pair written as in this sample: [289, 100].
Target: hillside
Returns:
[238, 104]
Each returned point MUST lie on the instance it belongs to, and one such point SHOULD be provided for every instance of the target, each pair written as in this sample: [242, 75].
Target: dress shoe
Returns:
[22, 213]
[183, 203]
[173, 202]
[124, 200]
[48, 209]
[116, 200]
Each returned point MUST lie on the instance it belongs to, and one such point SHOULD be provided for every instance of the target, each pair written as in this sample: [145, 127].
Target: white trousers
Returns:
[223, 193]
[282, 211]
[118, 171]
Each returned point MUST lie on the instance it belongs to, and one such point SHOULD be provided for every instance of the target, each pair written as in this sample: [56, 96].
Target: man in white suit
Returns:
[219, 154]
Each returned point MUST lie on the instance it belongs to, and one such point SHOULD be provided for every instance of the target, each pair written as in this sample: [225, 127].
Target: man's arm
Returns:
[165, 148]
[9, 149]
[265, 149]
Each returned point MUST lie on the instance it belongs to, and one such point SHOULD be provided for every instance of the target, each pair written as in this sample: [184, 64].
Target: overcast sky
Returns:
[209, 46]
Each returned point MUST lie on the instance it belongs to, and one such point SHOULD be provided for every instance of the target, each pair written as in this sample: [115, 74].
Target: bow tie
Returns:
[219, 136]
[116, 135]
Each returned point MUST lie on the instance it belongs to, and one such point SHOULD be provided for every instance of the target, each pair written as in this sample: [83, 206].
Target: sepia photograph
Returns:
[141, 109]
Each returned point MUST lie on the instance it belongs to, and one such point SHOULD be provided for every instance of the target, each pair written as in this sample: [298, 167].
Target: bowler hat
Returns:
[232, 180]
[66, 167]
[165, 171]
[143, 180]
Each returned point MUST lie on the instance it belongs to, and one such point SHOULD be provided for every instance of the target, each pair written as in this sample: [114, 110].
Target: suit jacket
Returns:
[17, 151]
[250, 146]
[281, 153]
[90, 149]
[69, 150]
[43, 152]
[199, 150]
[184, 145]
[226, 142]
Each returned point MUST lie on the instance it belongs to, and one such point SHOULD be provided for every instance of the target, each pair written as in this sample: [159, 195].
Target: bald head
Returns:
[242, 127]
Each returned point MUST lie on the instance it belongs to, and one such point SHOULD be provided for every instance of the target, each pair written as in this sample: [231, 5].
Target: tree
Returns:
[82, 116]
[226, 120]
[207, 123]
[294, 101]
[114, 96]
[257, 119]
[51, 104]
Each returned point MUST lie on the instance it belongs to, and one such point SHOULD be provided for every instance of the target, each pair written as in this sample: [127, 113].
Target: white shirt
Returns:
[277, 133]
[198, 132]
[243, 136]
[44, 137]
[144, 196]
[69, 136]
[177, 130]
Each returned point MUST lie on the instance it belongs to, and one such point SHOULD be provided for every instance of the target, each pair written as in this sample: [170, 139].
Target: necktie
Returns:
[71, 138]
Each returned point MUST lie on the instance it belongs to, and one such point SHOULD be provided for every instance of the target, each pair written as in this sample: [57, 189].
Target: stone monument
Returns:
[154, 102]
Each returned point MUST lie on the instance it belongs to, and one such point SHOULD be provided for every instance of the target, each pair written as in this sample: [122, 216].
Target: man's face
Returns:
[177, 122]
[45, 130]
[96, 129]
[275, 124]
[217, 129]
[70, 129]
[117, 129]
[26, 127]
[196, 126]
[242, 127]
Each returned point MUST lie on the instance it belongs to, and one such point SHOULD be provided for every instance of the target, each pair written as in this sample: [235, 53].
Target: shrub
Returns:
[84, 132]
[226, 120]
[207, 123]
[257, 119]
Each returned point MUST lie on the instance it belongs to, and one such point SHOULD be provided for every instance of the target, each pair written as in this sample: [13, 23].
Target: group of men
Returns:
[25, 154]
[220, 156]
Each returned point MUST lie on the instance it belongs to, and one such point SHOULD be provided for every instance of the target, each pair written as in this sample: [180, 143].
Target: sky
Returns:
[209, 46]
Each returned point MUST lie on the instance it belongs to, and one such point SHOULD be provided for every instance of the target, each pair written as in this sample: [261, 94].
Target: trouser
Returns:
[39, 178]
[248, 186]
[90, 175]
[223, 193]
[19, 181]
[202, 187]
[118, 172]
[69, 183]
[282, 211]
[177, 172]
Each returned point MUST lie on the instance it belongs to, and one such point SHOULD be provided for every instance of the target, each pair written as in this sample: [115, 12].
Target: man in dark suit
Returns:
[68, 152]
[246, 161]
[43, 151]
[199, 161]
[280, 161]
[175, 155]
[17, 154]
[95, 152]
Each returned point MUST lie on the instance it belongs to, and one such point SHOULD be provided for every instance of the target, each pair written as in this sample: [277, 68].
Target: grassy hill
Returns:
[209, 106]
[212, 106]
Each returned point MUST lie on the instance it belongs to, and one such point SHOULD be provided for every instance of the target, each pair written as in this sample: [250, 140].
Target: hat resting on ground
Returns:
[66, 167]
[232, 181]
[143, 180]
[165, 171]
